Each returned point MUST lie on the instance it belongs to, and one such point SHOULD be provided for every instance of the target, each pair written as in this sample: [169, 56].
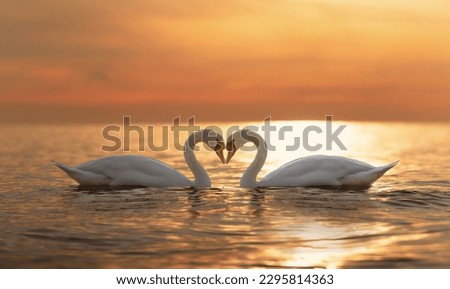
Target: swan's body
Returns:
[324, 171]
[133, 170]
[128, 170]
[303, 172]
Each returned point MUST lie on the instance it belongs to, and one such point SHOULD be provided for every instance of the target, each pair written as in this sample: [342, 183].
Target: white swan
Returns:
[133, 170]
[303, 172]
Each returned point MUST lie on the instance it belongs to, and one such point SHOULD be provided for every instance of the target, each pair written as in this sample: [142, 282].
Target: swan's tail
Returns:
[367, 178]
[70, 171]
[63, 167]
[82, 177]
[386, 168]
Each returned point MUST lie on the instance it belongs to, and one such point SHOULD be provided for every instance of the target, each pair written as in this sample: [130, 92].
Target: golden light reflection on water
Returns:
[332, 253]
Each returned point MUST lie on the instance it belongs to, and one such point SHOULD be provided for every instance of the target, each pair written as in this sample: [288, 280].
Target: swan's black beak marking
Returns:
[231, 148]
[219, 151]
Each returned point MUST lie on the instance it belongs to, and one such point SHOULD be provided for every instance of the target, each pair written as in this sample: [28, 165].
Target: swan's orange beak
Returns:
[219, 151]
[221, 156]
[231, 148]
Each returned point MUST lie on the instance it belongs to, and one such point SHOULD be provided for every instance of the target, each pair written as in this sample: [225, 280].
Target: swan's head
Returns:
[211, 138]
[238, 139]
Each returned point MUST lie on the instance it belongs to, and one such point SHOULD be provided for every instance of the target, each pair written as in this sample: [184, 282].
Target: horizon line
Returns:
[225, 112]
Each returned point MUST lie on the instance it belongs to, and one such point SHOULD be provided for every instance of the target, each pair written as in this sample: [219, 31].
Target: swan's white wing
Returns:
[315, 171]
[130, 170]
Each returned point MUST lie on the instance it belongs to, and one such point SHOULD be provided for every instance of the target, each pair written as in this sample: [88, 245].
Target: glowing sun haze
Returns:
[377, 60]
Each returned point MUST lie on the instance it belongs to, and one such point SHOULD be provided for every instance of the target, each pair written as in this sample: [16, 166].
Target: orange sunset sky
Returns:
[224, 59]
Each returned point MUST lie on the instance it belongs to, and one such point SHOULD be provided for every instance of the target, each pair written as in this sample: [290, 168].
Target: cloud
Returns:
[340, 52]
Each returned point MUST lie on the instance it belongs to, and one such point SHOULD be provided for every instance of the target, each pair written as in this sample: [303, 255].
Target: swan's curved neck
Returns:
[201, 178]
[248, 179]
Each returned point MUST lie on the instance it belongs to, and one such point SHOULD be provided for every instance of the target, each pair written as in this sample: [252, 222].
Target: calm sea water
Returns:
[402, 221]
